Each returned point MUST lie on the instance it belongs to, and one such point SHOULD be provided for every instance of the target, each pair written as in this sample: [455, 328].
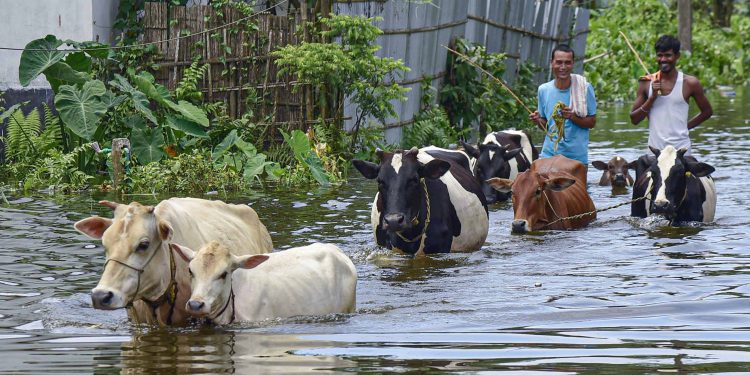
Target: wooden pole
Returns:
[685, 24]
[118, 172]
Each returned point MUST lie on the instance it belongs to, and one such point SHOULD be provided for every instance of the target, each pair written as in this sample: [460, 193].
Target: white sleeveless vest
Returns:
[668, 118]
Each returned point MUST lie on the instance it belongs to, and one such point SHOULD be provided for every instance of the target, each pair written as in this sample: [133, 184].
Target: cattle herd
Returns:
[429, 200]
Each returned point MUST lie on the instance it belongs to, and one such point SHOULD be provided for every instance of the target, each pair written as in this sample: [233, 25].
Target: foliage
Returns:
[470, 96]
[187, 88]
[719, 56]
[28, 137]
[431, 125]
[346, 69]
[60, 172]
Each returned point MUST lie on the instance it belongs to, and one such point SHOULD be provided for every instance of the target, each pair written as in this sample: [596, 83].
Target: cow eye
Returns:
[223, 275]
[142, 246]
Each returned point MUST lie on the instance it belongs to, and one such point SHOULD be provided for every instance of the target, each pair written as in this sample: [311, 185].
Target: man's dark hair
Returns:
[562, 48]
[667, 42]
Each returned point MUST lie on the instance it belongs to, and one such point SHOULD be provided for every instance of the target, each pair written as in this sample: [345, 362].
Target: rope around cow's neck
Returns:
[578, 216]
[234, 310]
[426, 221]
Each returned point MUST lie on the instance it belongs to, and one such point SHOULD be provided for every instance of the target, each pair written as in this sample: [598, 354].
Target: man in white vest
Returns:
[663, 98]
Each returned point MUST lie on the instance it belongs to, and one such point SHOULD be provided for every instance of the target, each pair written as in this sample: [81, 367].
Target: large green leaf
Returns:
[190, 112]
[189, 127]
[139, 99]
[61, 73]
[79, 61]
[8, 112]
[34, 63]
[111, 100]
[148, 145]
[304, 154]
[81, 110]
[145, 82]
[222, 147]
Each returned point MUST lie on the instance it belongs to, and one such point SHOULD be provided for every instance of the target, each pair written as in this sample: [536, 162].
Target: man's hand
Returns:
[536, 118]
[656, 86]
[567, 113]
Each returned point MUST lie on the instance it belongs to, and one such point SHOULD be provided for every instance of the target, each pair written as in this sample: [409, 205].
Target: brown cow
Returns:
[616, 172]
[551, 189]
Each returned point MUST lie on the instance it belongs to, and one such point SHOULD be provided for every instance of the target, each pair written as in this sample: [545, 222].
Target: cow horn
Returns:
[112, 205]
[681, 152]
[414, 150]
[655, 150]
[379, 153]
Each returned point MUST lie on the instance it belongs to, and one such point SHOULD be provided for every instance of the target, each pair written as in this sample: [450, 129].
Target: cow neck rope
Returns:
[645, 196]
[231, 298]
[170, 294]
[426, 221]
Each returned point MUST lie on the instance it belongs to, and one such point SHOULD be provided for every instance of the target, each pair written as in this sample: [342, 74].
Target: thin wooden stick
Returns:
[637, 56]
[468, 60]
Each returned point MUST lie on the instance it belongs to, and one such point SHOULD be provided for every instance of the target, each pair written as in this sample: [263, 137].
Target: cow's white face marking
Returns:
[618, 158]
[492, 154]
[396, 161]
[667, 160]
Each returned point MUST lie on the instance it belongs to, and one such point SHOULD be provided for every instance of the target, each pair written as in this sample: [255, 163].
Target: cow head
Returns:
[531, 206]
[400, 188]
[492, 161]
[616, 171]
[210, 271]
[669, 174]
[135, 262]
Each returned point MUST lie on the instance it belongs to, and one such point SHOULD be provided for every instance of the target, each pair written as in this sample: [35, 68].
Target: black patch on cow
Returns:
[452, 156]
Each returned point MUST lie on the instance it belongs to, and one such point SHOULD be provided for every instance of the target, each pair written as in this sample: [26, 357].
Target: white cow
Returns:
[316, 279]
[141, 272]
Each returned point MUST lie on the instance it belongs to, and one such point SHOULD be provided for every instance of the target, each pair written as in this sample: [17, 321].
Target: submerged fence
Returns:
[242, 73]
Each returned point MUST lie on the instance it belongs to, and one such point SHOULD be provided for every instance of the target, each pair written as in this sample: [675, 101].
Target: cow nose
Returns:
[101, 299]
[519, 226]
[195, 305]
[394, 221]
[661, 206]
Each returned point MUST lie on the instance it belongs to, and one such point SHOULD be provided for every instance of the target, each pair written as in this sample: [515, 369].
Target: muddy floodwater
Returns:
[623, 295]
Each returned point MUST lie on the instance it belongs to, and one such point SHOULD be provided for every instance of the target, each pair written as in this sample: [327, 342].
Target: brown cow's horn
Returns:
[112, 205]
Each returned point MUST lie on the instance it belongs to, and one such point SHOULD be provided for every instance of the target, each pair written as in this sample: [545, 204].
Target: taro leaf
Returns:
[111, 100]
[222, 147]
[135, 122]
[82, 109]
[145, 82]
[140, 101]
[95, 49]
[189, 127]
[300, 145]
[190, 112]
[148, 145]
[316, 168]
[274, 170]
[79, 62]
[254, 167]
[247, 148]
[34, 63]
[61, 73]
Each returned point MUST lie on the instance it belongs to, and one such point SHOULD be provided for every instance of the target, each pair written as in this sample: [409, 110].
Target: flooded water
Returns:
[622, 296]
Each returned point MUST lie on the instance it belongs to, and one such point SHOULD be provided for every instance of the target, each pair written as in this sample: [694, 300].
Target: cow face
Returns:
[400, 187]
[531, 205]
[492, 161]
[210, 271]
[669, 175]
[135, 260]
[615, 172]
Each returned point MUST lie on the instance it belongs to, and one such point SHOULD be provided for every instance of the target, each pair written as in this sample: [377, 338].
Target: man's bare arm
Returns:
[706, 111]
[642, 103]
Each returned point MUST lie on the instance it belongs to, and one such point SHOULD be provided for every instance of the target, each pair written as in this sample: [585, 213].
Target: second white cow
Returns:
[317, 279]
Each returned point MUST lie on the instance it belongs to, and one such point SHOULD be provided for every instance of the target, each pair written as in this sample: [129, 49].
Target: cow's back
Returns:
[196, 222]
[559, 163]
[316, 279]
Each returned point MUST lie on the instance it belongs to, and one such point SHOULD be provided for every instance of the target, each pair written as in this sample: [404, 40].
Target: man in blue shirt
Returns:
[579, 114]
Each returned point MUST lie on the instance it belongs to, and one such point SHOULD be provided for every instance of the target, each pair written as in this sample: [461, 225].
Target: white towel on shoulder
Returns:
[578, 95]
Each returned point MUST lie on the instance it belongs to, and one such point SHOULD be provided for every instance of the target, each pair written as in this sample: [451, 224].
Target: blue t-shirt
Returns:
[575, 144]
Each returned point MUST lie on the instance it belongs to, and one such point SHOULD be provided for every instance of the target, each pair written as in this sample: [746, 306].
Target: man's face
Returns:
[562, 64]
[667, 60]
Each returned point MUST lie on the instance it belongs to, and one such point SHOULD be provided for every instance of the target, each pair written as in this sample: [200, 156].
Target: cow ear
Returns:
[436, 168]
[368, 169]
[558, 183]
[600, 165]
[700, 169]
[633, 164]
[502, 185]
[512, 153]
[681, 152]
[183, 251]
[112, 205]
[249, 261]
[93, 227]
[656, 151]
[470, 150]
[379, 152]
[165, 230]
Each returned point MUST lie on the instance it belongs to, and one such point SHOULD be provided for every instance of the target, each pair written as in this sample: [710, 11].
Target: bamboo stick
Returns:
[637, 56]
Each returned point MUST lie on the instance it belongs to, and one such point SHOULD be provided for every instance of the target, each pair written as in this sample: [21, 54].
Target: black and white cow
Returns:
[679, 188]
[457, 156]
[425, 205]
[501, 154]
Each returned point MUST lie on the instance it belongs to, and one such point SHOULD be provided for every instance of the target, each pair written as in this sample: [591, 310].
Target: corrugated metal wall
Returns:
[415, 32]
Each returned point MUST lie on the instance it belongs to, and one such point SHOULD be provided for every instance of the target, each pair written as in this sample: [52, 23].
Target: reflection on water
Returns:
[624, 295]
